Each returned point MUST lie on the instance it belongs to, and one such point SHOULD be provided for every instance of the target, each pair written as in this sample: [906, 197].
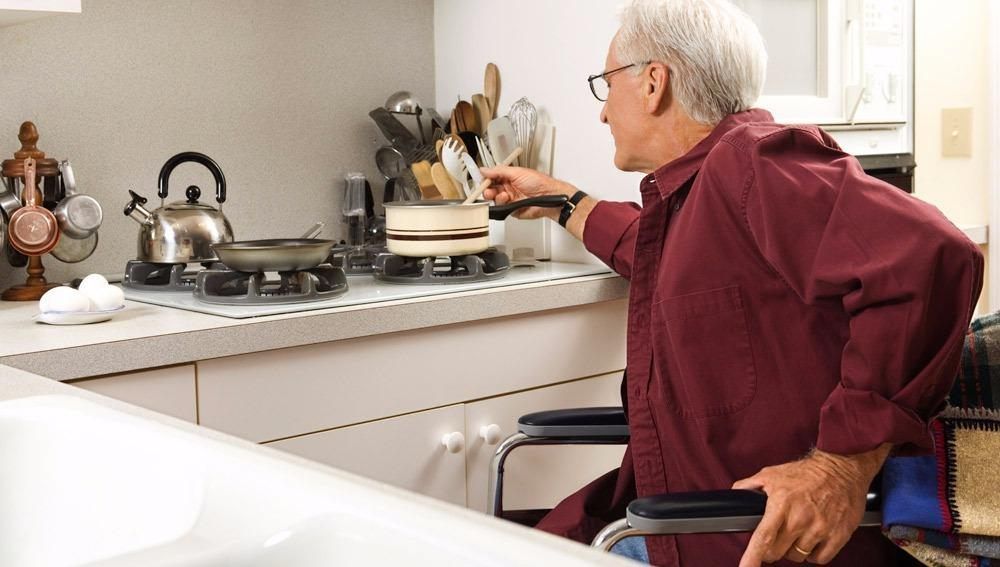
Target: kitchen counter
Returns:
[146, 336]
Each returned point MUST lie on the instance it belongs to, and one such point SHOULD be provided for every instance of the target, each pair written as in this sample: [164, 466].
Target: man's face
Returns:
[623, 112]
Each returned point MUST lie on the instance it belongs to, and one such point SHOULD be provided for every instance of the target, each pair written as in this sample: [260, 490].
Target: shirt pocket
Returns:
[703, 355]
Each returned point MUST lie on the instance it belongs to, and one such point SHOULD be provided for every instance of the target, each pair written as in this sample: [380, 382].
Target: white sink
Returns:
[83, 484]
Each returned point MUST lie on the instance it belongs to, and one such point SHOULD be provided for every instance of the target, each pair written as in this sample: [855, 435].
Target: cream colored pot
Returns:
[448, 227]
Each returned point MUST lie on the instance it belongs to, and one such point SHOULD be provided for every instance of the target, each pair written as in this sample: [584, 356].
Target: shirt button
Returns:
[677, 206]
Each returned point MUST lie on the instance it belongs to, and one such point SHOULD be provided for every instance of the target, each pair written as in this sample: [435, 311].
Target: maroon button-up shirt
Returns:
[780, 299]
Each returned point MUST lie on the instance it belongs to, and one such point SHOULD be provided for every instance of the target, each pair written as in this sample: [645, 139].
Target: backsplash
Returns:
[277, 92]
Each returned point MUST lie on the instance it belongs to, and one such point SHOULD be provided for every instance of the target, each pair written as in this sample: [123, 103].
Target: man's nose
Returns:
[604, 113]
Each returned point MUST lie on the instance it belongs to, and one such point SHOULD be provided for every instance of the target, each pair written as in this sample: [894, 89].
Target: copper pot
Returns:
[33, 229]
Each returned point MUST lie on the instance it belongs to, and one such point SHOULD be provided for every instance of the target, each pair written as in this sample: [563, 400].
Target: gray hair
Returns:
[715, 53]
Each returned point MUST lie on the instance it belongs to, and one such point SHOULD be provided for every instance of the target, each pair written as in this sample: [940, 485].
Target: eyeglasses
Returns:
[601, 88]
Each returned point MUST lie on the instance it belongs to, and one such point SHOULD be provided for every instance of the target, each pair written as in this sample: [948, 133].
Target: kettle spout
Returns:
[135, 210]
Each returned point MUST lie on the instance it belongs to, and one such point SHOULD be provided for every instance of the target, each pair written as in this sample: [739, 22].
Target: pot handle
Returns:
[168, 168]
[500, 212]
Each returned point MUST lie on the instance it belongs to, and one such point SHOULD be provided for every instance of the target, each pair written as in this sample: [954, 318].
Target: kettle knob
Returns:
[193, 193]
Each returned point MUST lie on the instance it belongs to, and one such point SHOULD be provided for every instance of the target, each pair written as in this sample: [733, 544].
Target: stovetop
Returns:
[363, 289]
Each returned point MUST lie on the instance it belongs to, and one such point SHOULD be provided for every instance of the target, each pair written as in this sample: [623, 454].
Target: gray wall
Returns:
[276, 91]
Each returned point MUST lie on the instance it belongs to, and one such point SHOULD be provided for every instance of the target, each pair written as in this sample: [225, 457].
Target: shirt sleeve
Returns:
[907, 278]
[610, 233]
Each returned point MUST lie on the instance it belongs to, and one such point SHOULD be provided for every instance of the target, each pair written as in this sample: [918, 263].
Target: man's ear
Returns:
[656, 80]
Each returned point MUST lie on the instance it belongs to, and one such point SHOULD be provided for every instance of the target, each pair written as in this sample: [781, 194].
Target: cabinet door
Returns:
[404, 451]
[539, 477]
[170, 390]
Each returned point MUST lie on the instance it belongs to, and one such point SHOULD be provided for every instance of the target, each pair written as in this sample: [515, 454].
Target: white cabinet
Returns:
[18, 11]
[169, 390]
[283, 393]
[408, 452]
[538, 477]
[404, 451]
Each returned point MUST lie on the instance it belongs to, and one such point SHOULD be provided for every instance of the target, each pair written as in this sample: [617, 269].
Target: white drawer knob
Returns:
[490, 433]
[453, 442]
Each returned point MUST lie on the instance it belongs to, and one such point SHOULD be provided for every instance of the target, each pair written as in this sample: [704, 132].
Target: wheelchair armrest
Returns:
[577, 422]
[714, 511]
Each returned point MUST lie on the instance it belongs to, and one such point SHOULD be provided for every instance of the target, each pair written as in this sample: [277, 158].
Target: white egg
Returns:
[105, 297]
[63, 299]
[93, 281]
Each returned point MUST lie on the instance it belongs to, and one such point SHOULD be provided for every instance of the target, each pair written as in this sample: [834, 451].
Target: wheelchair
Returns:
[715, 511]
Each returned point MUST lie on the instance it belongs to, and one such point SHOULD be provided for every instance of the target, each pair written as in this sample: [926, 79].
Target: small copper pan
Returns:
[33, 229]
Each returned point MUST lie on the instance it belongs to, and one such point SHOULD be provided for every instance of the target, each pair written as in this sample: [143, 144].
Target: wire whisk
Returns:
[524, 119]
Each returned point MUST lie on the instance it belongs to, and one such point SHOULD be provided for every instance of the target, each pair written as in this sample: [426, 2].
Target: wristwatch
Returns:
[569, 207]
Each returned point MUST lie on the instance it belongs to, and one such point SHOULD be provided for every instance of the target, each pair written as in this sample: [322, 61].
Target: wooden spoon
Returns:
[422, 171]
[444, 183]
[437, 148]
[465, 117]
[491, 88]
[483, 113]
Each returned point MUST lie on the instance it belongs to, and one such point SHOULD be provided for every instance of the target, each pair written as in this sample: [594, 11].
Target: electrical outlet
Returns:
[956, 132]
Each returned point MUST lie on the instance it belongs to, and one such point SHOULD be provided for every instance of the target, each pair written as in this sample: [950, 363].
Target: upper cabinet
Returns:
[18, 11]
[836, 61]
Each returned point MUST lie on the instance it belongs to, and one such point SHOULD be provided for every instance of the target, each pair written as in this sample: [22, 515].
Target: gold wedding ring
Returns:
[800, 550]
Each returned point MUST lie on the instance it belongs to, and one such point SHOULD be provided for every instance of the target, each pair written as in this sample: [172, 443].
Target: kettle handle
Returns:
[168, 168]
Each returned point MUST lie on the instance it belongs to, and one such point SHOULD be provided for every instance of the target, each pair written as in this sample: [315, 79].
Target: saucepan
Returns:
[448, 227]
[276, 254]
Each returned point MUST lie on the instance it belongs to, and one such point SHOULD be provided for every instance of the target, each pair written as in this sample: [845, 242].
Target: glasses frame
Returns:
[607, 74]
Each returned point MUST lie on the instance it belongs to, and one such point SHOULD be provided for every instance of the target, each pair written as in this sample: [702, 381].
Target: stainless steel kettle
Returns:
[182, 231]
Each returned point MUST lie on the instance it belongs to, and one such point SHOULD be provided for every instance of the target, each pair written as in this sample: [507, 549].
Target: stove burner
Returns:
[488, 265]
[151, 276]
[355, 260]
[229, 287]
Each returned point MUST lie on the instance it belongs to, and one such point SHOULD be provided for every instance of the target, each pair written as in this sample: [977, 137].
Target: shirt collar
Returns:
[671, 176]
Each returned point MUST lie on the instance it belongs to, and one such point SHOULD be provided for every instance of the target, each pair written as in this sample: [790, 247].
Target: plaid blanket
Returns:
[944, 509]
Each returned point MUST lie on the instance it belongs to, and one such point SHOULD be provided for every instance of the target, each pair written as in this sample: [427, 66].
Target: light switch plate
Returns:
[956, 132]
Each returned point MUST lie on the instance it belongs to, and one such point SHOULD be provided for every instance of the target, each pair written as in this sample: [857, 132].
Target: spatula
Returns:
[500, 135]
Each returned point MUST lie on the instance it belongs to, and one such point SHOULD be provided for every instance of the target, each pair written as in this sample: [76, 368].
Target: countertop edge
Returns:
[307, 328]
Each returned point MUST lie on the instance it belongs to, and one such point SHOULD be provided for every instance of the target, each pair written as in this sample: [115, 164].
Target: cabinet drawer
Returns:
[539, 477]
[405, 451]
[282, 393]
[170, 390]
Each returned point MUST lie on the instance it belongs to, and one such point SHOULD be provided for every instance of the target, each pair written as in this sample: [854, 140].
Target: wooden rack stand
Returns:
[35, 285]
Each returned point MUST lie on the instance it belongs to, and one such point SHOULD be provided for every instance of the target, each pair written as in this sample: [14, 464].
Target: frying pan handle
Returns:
[168, 168]
[500, 212]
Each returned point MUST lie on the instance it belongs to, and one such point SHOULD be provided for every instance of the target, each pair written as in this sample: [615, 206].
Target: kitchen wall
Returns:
[276, 91]
[545, 50]
[952, 71]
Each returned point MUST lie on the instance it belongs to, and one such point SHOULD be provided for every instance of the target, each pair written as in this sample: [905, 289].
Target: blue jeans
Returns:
[633, 548]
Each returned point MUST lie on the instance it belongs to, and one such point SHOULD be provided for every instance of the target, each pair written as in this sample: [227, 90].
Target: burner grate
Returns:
[229, 287]
[489, 265]
[150, 276]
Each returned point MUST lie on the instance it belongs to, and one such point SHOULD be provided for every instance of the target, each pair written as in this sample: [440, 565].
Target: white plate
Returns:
[76, 318]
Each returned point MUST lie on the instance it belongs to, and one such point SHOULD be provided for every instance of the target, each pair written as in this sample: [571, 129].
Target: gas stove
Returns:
[485, 266]
[223, 286]
[363, 291]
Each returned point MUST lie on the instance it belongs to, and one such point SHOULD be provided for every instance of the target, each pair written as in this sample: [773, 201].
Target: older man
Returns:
[791, 319]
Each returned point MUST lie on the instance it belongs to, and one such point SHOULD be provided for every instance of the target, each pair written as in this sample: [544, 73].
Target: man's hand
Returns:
[813, 506]
[518, 183]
